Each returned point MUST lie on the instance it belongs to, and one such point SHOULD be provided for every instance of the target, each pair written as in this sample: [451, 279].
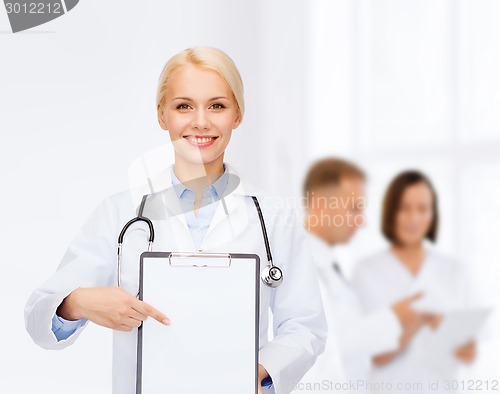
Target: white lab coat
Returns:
[382, 280]
[299, 325]
[354, 337]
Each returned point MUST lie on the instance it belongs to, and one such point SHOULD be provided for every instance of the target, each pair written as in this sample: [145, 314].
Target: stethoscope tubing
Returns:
[271, 275]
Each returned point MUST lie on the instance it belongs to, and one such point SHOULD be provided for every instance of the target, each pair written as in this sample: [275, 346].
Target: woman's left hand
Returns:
[466, 353]
[262, 375]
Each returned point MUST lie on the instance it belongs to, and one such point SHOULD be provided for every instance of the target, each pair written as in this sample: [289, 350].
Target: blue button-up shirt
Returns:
[198, 227]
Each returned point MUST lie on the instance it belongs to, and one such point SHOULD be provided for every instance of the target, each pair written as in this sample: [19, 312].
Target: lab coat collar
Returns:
[244, 187]
[164, 204]
[218, 187]
[324, 254]
[237, 184]
[227, 212]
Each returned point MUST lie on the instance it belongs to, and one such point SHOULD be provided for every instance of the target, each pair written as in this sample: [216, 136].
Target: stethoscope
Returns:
[271, 275]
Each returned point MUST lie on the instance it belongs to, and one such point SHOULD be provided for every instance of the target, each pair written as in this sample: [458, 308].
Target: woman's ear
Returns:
[237, 120]
[161, 117]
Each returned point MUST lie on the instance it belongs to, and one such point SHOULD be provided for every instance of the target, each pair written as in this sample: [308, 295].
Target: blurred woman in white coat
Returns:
[198, 204]
[334, 192]
[410, 217]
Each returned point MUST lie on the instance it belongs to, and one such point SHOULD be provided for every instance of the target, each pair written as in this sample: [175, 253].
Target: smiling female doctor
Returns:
[203, 205]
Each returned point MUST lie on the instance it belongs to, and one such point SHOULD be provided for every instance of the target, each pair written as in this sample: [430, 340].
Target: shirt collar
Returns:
[218, 187]
[324, 254]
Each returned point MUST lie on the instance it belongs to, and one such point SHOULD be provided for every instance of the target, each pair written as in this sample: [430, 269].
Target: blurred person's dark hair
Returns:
[392, 202]
[330, 171]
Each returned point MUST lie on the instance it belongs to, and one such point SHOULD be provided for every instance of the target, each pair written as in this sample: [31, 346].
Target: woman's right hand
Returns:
[110, 307]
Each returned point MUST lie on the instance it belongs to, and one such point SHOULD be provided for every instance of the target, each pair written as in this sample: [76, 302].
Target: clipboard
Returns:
[212, 344]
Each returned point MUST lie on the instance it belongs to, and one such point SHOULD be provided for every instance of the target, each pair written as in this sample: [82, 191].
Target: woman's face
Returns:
[200, 113]
[415, 214]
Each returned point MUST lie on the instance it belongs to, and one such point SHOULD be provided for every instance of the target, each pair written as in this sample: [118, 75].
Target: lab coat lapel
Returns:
[226, 202]
[231, 215]
[178, 222]
[224, 227]
[173, 212]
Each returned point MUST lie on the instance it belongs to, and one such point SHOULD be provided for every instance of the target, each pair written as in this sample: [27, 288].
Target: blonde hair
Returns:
[207, 58]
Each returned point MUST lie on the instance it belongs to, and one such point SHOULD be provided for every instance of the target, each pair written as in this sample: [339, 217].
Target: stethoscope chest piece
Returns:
[272, 276]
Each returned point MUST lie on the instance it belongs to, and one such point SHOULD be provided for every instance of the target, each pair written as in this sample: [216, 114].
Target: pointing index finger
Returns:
[149, 310]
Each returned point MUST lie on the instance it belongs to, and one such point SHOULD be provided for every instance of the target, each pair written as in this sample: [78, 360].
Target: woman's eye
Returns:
[217, 106]
[182, 106]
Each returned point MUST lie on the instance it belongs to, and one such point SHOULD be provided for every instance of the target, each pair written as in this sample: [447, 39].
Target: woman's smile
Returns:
[200, 141]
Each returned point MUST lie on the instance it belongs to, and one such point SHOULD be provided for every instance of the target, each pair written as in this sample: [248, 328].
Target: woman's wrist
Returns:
[262, 373]
[69, 309]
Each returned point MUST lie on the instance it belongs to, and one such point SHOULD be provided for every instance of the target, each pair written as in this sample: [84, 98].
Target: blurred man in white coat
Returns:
[334, 196]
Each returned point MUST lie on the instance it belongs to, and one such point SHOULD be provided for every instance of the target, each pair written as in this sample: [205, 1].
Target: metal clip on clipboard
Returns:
[184, 259]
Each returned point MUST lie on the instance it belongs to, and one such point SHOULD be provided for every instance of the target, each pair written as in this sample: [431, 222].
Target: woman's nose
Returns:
[200, 121]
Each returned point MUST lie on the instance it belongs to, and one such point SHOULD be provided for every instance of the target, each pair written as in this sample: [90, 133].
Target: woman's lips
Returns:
[200, 141]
